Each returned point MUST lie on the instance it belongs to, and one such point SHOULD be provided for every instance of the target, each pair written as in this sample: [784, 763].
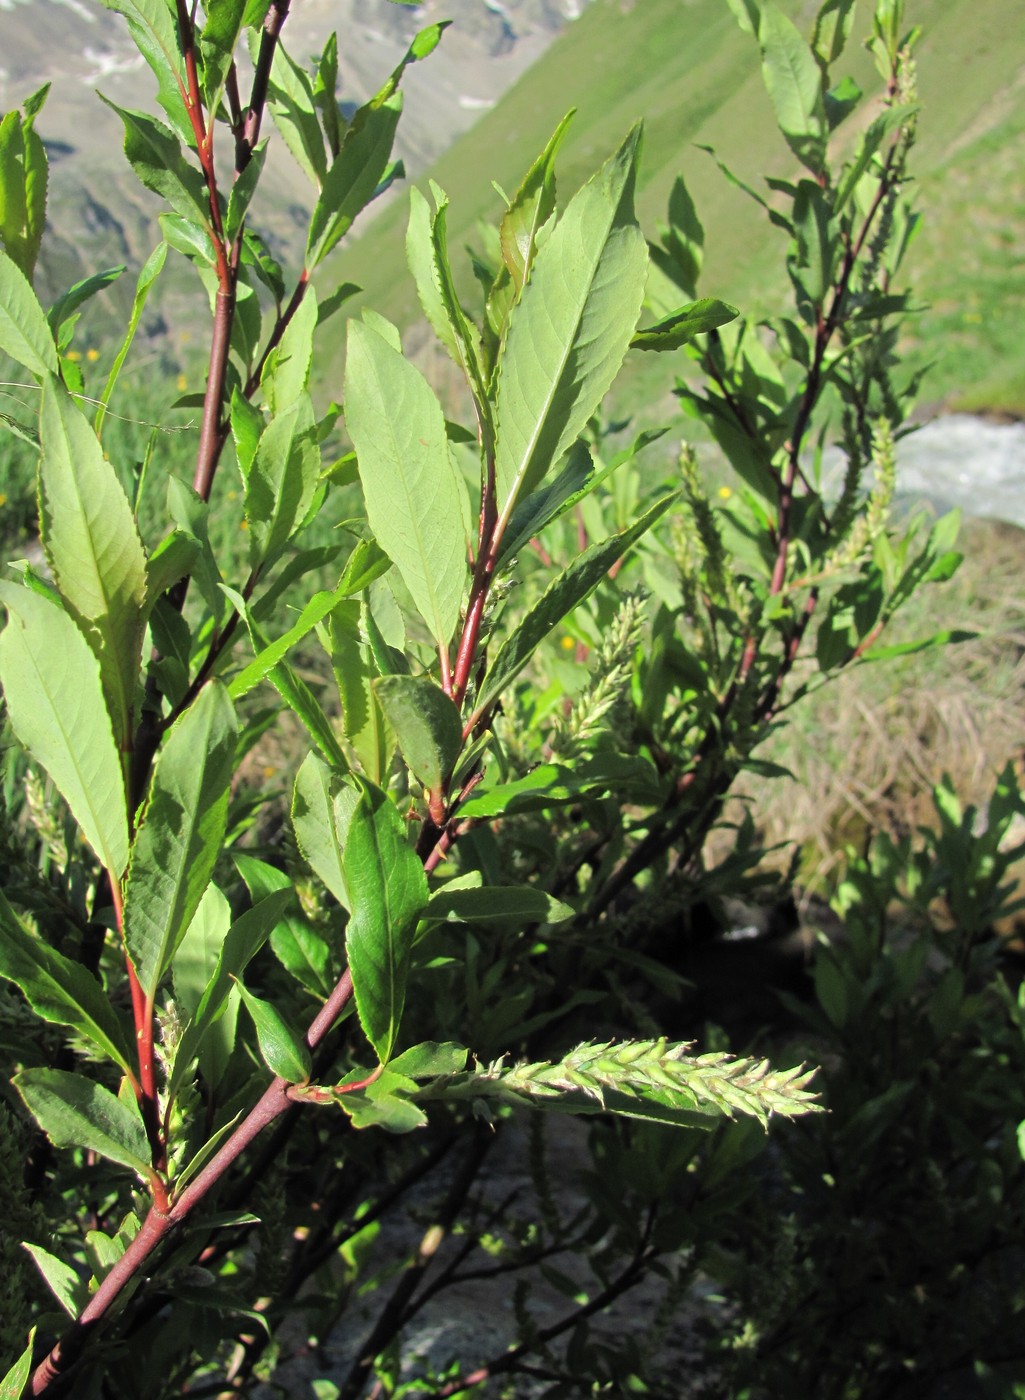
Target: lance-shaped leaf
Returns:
[74, 1112]
[569, 590]
[682, 326]
[366, 728]
[13, 1384]
[23, 180]
[148, 274]
[325, 85]
[217, 44]
[793, 80]
[194, 967]
[495, 904]
[69, 1288]
[51, 682]
[155, 154]
[409, 479]
[286, 373]
[77, 295]
[293, 109]
[362, 164]
[354, 175]
[314, 825]
[570, 330]
[293, 689]
[219, 1000]
[60, 990]
[388, 889]
[94, 549]
[426, 723]
[427, 256]
[282, 1048]
[630, 776]
[180, 833]
[531, 208]
[315, 611]
[24, 333]
[282, 479]
[296, 943]
[156, 36]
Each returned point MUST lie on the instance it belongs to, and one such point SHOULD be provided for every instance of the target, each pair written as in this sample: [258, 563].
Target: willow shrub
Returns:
[206, 1014]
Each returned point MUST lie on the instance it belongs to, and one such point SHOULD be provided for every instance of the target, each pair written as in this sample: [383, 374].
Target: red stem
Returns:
[272, 1103]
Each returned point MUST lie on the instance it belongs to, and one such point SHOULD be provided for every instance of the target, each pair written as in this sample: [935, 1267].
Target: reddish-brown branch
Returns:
[273, 1102]
[276, 15]
[209, 434]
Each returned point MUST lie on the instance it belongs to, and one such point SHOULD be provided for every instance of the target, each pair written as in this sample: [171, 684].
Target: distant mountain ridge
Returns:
[99, 214]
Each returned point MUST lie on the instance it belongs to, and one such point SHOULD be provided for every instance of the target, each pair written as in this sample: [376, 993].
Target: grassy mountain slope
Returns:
[684, 66]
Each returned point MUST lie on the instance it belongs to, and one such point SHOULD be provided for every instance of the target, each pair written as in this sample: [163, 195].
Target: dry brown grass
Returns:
[866, 752]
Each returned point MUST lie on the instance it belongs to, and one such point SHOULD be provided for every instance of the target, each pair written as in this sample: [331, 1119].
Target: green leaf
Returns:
[426, 724]
[325, 86]
[155, 154]
[13, 1384]
[217, 43]
[51, 681]
[313, 822]
[793, 81]
[576, 480]
[194, 968]
[68, 1287]
[680, 258]
[180, 833]
[282, 1049]
[388, 889]
[875, 134]
[23, 180]
[354, 176]
[370, 564]
[296, 944]
[531, 208]
[366, 728]
[59, 990]
[191, 514]
[561, 597]
[292, 106]
[74, 1112]
[242, 192]
[552, 785]
[747, 13]
[427, 256]
[496, 904]
[832, 29]
[570, 330]
[430, 1060]
[384, 1103]
[94, 549]
[287, 371]
[241, 943]
[409, 479]
[156, 36]
[173, 558]
[148, 274]
[682, 326]
[315, 611]
[24, 333]
[282, 480]
[68, 302]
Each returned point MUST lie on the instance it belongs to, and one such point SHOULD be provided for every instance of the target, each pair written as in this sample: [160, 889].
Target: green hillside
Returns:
[693, 76]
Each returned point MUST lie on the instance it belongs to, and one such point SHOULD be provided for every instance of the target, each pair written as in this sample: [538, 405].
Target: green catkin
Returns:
[594, 709]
